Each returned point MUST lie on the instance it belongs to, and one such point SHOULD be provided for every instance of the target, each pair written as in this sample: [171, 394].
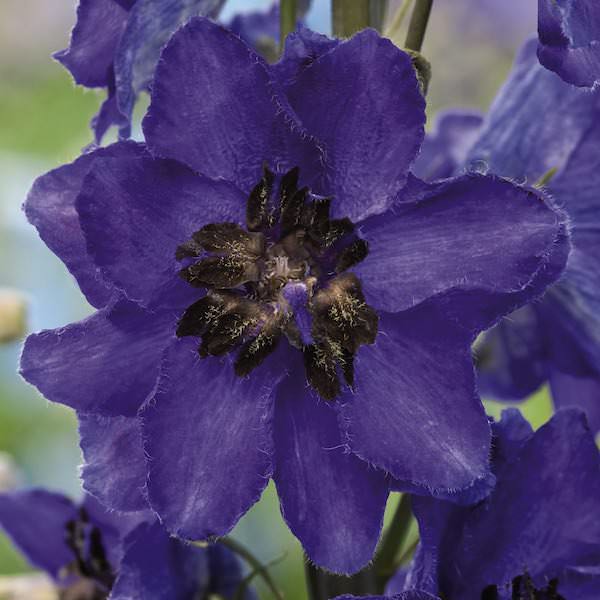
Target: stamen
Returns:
[246, 273]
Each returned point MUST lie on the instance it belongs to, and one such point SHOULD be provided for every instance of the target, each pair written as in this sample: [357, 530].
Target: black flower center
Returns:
[283, 275]
[94, 573]
[523, 588]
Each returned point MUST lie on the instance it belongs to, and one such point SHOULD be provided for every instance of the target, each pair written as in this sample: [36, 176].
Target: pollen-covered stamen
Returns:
[342, 322]
[275, 279]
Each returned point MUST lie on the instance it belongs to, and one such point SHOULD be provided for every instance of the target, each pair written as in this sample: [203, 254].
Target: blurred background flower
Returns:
[44, 123]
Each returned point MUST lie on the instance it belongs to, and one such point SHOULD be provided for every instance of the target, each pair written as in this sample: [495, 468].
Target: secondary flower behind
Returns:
[93, 554]
[278, 297]
[537, 536]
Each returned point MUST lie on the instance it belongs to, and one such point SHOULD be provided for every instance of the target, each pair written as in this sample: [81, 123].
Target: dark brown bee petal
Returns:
[347, 364]
[321, 371]
[189, 249]
[291, 211]
[228, 331]
[258, 216]
[288, 187]
[198, 317]
[229, 238]
[220, 272]
[254, 352]
[336, 230]
[351, 255]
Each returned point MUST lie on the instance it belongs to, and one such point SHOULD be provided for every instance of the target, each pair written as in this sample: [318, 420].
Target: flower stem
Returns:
[385, 559]
[418, 25]
[377, 13]
[287, 20]
[349, 16]
[258, 567]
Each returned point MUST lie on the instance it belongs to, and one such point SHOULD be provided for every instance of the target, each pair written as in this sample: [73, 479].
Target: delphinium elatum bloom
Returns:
[526, 136]
[536, 537]
[115, 44]
[278, 297]
[93, 554]
[569, 39]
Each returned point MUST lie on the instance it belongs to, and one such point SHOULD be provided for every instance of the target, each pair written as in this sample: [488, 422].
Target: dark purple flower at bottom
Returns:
[569, 40]
[537, 536]
[93, 554]
[279, 297]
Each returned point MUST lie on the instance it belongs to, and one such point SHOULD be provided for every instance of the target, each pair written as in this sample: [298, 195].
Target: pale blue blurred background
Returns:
[43, 123]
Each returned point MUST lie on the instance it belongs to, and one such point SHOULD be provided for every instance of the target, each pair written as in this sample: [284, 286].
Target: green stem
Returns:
[385, 559]
[418, 25]
[260, 569]
[349, 16]
[324, 586]
[393, 27]
[287, 20]
[377, 13]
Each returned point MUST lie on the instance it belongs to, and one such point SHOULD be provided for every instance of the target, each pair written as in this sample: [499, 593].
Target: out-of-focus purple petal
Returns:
[36, 522]
[155, 565]
[105, 364]
[414, 411]
[569, 40]
[254, 26]
[109, 115]
[50, 207]
[410, 595]
[94, 40]
[474, 232]
[207, 436]
[149, 26]
[150, 207]
[445, 149]
[332, 501]
[577, 392]
[222, 126]
[114, 470]
[528, 522]
[362, 102]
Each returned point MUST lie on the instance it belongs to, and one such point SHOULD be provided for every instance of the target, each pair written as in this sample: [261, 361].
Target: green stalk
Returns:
[287, 20]
[377, 13]
[349, 16]
[257, 566]
[384, 563]
[418, 25]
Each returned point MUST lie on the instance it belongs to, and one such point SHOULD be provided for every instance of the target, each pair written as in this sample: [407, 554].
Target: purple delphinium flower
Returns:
[115, 44]
[93, 554]
[330, 303]
[538, 124]
[410, 595]
[569, 39]
[536, 536]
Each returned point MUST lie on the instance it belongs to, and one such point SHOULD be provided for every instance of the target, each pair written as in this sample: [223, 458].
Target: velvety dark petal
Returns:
[150, 207]
[50, 207]
[36, 522]
[474, 232]
[569, 40]
[445, 149]
[155, 565]
[371, 88]
[114, 469]
[528, 522]
[207, 436]
[149, 26]
[414, 411]
[105, 364]
[338, 529]
[221, 126]
[302, 48]
[94, 40]
[577, 392]
[512, 358]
